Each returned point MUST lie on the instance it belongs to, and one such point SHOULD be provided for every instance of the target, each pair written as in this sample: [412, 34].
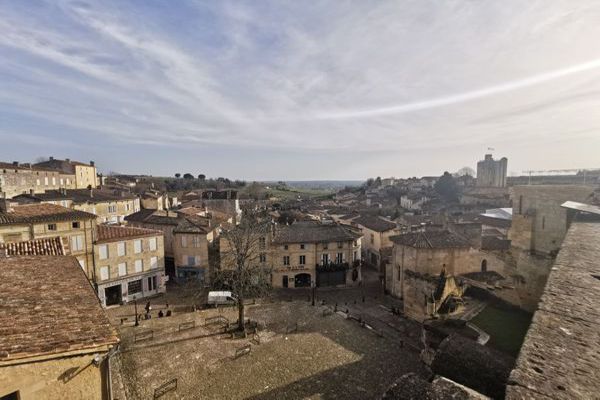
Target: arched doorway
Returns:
[302, 280]
[484, 265]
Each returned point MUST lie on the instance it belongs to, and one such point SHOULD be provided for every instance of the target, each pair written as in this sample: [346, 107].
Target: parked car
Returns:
[223, 297]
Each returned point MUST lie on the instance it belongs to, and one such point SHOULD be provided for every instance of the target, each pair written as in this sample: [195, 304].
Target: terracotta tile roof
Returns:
[28, 213]
[375, 223]
[65, 166]
[109, 233]
[158, 217]
[80, 195]
[37, 247]
[431, 240]
[313, 232]
[193, 224]
[48, 307]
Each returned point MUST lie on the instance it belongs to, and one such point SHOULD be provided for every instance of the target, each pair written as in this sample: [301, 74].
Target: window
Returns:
[325, 259]
[191, 260]
[285, 246]
[355, 256]
[61, 181]
[372, 238]
[137, 246]
[543, 222]
[104, 273]
[68, 181]
[53, 181]
[46, 180]
[134, 287]
[302, 246]
[122, 269]
[196, 241]
[77, 243]
[127, 207]
[112, 208]
[340, 245]
[302, 260]
[153, 262]
[325, 246]
[262, 242]
[139, 265]
[37, 182]
[286, 260]
[103, 251]
[262, 258]
[340, 258]
[121, 249]
[152, 283]
[152, 243]
[183, 241]
[51, 227]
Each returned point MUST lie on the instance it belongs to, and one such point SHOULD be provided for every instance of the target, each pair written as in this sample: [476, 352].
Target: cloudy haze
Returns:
[301, 89]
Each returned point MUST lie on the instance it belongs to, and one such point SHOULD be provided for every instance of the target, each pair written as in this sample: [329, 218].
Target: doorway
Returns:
[484, 265]
[112, 295]
[285, 281]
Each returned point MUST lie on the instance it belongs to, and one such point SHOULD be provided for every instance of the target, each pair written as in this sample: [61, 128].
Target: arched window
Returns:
[484, 265]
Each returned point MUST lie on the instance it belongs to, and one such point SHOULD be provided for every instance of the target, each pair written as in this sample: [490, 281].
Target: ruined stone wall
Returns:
[548, 221]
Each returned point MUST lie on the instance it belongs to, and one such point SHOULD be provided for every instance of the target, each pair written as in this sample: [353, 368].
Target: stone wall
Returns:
[50, 380]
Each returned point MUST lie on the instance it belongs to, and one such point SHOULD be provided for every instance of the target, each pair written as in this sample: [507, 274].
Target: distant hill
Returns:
[323, 185]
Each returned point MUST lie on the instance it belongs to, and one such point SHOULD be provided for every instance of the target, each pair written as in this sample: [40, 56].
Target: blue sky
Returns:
[301, 90]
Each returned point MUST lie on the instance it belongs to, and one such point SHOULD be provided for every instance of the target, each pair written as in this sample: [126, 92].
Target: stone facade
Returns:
[86, 175]
[129, 263]
[16, 179]
[492, 172]
[190, 253]
[49, 379]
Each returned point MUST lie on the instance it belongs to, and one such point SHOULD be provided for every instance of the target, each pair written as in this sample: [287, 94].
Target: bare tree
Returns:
[244, 270]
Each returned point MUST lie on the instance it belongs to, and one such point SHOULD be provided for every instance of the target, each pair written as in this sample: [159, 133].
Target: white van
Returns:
[217, 298]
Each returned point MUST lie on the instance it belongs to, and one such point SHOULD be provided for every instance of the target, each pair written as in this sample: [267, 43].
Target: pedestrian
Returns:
[160, 314]
[148, 308]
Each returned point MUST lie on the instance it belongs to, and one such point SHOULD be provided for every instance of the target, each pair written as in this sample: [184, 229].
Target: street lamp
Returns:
[137, 323]
[314, 291]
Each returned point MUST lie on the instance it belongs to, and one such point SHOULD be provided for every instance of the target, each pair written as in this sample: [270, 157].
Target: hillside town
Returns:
[465, 285]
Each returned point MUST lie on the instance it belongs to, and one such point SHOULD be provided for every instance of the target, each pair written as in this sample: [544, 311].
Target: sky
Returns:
[296, 90]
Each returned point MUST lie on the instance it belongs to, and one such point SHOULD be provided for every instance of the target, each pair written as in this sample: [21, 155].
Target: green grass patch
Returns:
[507, 327]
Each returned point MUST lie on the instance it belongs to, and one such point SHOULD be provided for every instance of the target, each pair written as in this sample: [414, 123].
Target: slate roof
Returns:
[431, 240]
[313, 232]
[37, 247]
[111, 233]
[48, 307]
[31, 213]
[375, 223]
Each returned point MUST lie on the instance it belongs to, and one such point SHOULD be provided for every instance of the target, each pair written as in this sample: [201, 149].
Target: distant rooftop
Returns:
[48, 307]
[431, 240]
[375, 223]
[110, 233]
[30, 213]
[66, 166]
[313, 232]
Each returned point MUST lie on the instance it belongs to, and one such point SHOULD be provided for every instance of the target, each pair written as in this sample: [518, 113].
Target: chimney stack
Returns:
[51, 158]
[92, 163]
[67, 160]
[5, 205]
[16, 163]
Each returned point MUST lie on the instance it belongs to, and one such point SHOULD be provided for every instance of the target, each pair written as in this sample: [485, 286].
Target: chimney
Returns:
[5, 205]
[16, 163]
[51, 158]
[92, 163]
[67, 160]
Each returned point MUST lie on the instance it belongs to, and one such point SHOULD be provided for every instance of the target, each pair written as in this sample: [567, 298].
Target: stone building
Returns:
[16, 179]
[37, 221]
[196, 230]
[492, 173]
[129, 264]
[539, 224]
[111, 206]
[313, 253]
[376, 233]
[55, 339]
[307, 253]
[86, 175]
[423, 268]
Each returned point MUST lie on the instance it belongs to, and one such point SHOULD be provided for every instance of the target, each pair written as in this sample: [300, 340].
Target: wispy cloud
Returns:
[336, 76]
